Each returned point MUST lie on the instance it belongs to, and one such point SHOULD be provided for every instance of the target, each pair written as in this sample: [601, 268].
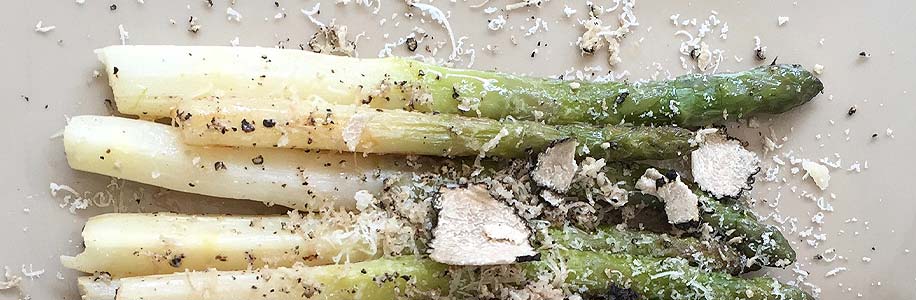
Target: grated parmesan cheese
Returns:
[43, 29]
[782, 20]
[10, 281]
[352, 133]
[818, 69]
[233, 15]
[437, 15]
[123, 34]
[818, 172]
[496, 23]
[31, 273]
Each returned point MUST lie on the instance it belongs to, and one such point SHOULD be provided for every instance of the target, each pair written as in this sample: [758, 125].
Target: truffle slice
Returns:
[721, 166]
[474, 229]
[557, 166]
[680, 202]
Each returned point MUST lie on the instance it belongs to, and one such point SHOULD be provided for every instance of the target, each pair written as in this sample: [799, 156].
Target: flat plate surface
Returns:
[48, 76]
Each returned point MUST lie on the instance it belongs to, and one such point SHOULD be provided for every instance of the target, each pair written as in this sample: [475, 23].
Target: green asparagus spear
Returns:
[664, 278]
[690, 100]
[419, 278]
[763, 243]
[705, 254]
[320, 125]
[149, 81]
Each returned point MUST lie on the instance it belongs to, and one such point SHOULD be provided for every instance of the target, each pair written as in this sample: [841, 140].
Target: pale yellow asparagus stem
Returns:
[381, 279]
[148, 81]
[318, 124]
[153, 153]
[124, 245]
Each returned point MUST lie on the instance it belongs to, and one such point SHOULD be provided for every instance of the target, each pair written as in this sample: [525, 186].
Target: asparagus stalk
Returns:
[667, 278]
[125, 245]
[380, 279]
[149, 81]
[705, 254]
[141, 150]
[317, 124]
[762, 243]
[417, 278]
[153, 153]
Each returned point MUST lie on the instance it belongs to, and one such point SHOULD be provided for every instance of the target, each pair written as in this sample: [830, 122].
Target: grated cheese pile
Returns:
[597, 36]
[10, 281]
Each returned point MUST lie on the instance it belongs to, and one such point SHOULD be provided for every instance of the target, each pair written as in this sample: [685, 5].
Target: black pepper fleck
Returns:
[852, 110]
[411, 44]
[760, 54]
[246, 126]
[113, 7]
[175, 261]
[219, 166]
[269, 123]
[115, 71]
[527, 258]
[621, 97]
[258, 160]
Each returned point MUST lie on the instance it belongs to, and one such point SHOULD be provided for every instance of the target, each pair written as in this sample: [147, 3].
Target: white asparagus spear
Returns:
[404, 277]
[124, 245]
[318, 124]
[153, 153]
[148, 81]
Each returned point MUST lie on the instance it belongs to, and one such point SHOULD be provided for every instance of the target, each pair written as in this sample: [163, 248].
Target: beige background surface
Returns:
[54, 70]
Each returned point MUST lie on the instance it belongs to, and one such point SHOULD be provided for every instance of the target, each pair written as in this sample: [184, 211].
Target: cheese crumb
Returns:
[818, 69]
[782, 20]
[496, 23]
[568, 11]
[11, 281]
[835, 271]
[233, 15]
[818, 172]
[31, 273]
[43, 29]
[352, 133]
[123, 34]
[364, 199]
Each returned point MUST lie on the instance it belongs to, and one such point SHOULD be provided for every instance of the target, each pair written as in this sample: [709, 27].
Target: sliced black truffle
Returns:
[557, 166]
[475, 229]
